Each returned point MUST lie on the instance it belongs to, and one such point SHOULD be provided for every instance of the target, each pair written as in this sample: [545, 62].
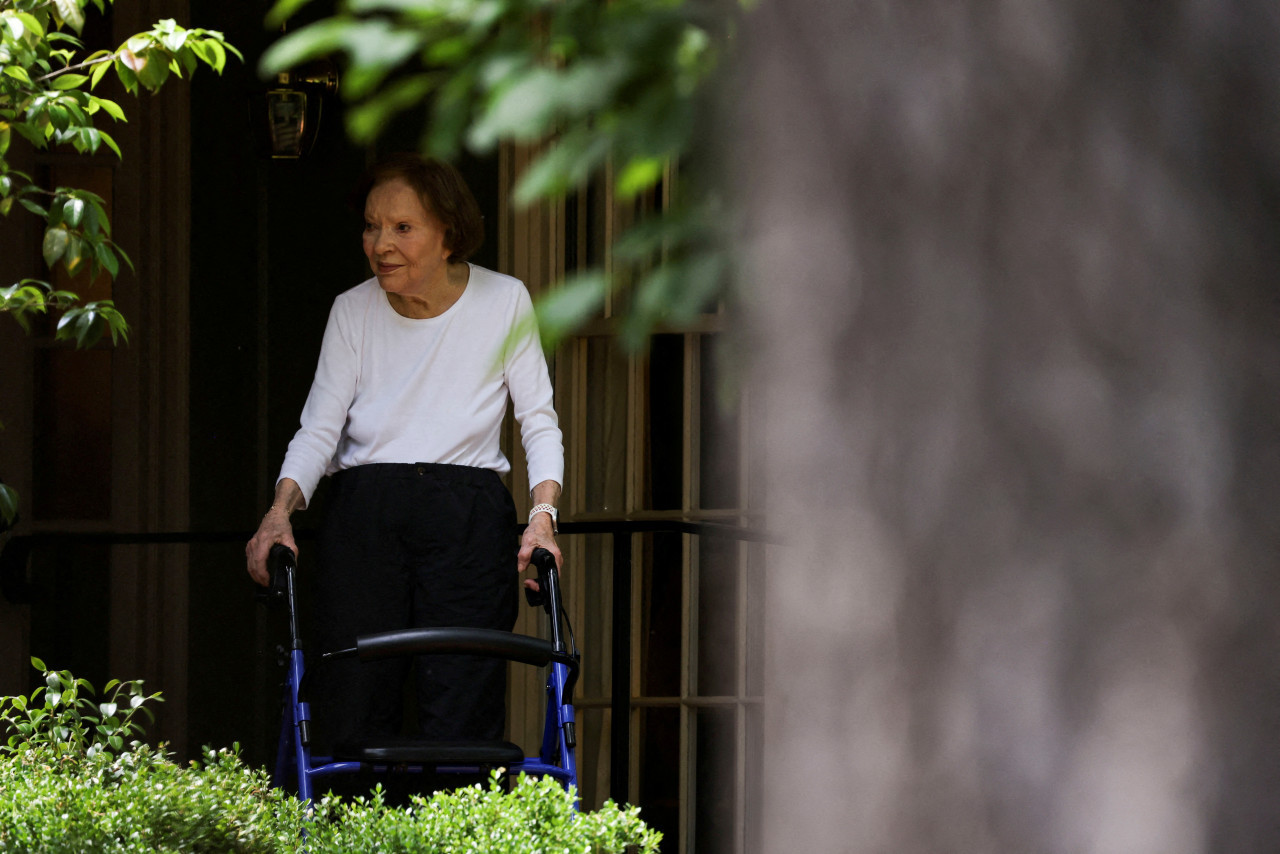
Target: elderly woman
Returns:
[405, 412]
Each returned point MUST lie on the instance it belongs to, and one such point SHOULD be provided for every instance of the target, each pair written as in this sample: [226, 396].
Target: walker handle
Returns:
[545, 562]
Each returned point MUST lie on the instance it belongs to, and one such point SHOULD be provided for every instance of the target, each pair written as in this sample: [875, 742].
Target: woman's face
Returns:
[403, 241]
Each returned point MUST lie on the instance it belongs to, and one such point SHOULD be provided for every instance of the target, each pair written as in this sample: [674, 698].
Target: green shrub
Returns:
[535, 817]
[67, 722]
[70, 785]
[141, 801]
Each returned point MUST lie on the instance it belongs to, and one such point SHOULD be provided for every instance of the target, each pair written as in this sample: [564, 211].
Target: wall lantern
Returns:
[293, 108]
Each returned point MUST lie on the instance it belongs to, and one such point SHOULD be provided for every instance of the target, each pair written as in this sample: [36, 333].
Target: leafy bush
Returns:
[69, 783]
[141, 801]
[535, 816]
[59, 718]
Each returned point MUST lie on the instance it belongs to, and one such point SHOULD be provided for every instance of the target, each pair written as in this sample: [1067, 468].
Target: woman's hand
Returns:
[541, 530]
[274, 528]
[538, 534]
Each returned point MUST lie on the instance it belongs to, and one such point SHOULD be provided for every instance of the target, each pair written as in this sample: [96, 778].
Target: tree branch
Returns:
[86, 64]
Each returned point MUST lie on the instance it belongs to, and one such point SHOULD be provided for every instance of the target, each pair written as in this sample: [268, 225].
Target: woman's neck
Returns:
[437, 298]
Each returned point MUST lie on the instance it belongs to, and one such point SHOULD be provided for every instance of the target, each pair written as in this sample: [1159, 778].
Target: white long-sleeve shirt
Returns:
[392, 389]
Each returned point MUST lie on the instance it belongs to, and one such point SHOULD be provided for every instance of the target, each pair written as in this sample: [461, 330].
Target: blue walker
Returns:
[387, 755]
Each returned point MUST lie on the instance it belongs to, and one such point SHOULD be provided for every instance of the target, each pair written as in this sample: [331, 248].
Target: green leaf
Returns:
[85, 324]
[64, 37]
[31, 132]
[219, 54]
[175, 40]
[91, 138]
[639, 175]
[367, 120]
[154, 70]
[109, 107]
[523, 112]
[111, 143]
[116, 324]
[107, 259]
[75, 254]
[34, 208]
[186, 58]
[17, 29]
[310, 42]
[55, 244]
[78, 325]
[70, 12]
[17, 72]
[127, 77]
[73, 212]
[98, 71]
[69, 81]
[282, 11]
[38, 664]
[566, 307]
[8, 506]
[202, 51]
[566, 165]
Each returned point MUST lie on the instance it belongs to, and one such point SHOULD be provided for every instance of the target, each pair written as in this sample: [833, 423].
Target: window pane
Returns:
[718, 434]
[666, 422]
[606, 428]
[70, 586]
[661, 630]
[717, 616]
[659, 799]
[755, 617]
[714, 824]
[593, 756]
[72, 444]
[595, 635]
[753, 781]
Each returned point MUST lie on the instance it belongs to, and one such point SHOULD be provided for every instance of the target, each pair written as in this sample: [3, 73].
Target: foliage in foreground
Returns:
[69, 783]
[535, 816]
[606, 90]
[141, 801]
[47, 101]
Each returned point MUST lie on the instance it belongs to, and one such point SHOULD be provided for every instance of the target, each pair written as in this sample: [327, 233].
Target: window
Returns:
[651, 437]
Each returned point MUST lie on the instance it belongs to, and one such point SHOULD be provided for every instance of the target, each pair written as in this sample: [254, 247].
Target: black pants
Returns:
[414, 546]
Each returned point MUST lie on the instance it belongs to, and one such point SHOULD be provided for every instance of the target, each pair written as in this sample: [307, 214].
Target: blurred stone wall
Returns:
[1012, 287]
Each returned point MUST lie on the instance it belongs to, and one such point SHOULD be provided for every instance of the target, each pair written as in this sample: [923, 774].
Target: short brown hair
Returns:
[443, 193]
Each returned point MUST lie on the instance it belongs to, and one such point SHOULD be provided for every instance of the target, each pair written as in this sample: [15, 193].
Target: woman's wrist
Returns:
[549, 510]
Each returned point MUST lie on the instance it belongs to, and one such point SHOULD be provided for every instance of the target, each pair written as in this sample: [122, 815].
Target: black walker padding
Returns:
[402, 751]
[455, 641]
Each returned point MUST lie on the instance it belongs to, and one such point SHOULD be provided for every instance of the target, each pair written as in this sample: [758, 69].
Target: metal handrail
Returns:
[14, 586]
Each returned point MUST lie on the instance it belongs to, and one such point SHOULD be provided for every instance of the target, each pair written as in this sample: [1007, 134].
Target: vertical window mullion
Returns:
[689, 654]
